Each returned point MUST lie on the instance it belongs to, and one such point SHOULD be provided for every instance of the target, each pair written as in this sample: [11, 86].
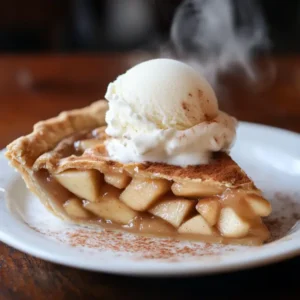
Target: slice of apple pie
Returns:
[64, 161]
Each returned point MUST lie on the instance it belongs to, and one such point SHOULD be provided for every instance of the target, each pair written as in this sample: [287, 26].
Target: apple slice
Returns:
[259, 205]
[209, 209]
[231, 224]
[196, 225]
[111, 208]
[142, 193]
[195, 189]
[85, 184]
[155, 226]
[74, 208]
[118, 180]
[237, 201]
[173, 210]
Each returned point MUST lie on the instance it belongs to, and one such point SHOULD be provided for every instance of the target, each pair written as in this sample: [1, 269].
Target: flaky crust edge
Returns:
[46, 134]
[23, 152]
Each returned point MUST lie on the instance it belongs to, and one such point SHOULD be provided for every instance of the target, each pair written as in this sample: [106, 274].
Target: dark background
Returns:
[117, 25]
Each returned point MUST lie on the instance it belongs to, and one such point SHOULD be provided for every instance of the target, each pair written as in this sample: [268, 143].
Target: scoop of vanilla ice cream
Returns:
[163, 111]
[166, 92]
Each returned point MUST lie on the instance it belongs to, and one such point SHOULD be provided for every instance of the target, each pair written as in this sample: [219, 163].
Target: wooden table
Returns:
[37, 87]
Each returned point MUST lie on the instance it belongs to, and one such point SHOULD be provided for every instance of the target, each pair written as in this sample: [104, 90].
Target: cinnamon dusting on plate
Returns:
[285, 215]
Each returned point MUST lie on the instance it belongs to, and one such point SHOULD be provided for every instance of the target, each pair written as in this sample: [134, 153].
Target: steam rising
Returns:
[216, 35]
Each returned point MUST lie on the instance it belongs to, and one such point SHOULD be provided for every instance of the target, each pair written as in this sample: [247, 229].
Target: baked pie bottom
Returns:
[65, 163]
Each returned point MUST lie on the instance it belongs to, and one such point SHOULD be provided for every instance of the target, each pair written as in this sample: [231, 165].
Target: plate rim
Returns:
[191, 268]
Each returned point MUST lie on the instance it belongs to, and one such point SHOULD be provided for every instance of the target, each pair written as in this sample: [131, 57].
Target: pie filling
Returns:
[149, 205]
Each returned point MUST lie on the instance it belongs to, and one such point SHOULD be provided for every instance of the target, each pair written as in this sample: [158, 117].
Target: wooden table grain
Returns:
[37, 87]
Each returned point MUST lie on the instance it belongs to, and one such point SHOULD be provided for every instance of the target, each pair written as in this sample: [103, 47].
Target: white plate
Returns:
[270, 156]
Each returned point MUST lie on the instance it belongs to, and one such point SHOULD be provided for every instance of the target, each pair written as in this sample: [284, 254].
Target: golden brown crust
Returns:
[222, 170]
[46, 134]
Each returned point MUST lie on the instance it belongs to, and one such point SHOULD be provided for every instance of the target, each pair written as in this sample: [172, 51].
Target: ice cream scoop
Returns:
[166, 92]
[162, 110]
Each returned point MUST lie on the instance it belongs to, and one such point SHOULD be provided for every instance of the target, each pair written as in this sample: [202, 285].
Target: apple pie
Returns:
[65, 163]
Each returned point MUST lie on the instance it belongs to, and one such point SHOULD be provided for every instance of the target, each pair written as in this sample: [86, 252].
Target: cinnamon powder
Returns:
[286, 212]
